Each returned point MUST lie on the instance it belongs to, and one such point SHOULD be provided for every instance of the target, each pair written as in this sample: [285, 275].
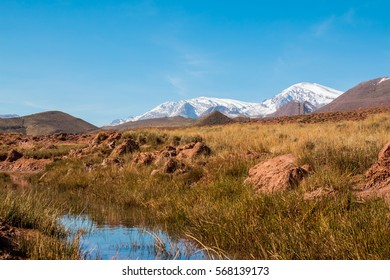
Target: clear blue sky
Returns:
[102, 60]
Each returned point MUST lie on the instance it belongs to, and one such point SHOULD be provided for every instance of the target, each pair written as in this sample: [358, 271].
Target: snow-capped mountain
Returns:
[317, 95]
[8, 116]
[201, 106]
[198, 107]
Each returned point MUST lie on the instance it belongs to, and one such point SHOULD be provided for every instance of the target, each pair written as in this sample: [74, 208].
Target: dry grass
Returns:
[40, 235]
[211, 204]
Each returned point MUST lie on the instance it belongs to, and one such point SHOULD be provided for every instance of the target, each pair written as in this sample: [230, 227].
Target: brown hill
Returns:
[373, 93]
[214, 118]
[158, 122]
[293, 108]
[46, 123]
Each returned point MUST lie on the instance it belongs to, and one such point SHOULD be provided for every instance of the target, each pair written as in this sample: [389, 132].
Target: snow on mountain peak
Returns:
[384, 79]
[198, 107]
[316, 94]
[8, 116]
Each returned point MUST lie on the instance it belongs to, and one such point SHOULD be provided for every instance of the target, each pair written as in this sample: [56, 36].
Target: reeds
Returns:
[41, 237]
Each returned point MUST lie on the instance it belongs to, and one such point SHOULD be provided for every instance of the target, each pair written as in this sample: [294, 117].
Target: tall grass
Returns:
[41, 237]
[212, 206]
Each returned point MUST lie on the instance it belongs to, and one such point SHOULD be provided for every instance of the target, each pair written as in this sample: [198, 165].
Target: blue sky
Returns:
[102, 60]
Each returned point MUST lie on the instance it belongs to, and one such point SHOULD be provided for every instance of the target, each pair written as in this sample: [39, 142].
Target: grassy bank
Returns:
[212, 206]
[35, 217]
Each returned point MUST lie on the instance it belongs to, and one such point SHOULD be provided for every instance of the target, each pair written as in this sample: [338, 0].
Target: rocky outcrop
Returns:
[377, 178]
[275, 175]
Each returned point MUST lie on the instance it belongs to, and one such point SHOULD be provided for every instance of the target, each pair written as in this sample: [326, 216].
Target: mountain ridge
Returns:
[371, 93]
[195, 108]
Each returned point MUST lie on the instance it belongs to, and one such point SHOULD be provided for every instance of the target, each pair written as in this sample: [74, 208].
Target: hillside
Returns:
[214, 118]
[293, 108]
[46, 123]
[373, 93]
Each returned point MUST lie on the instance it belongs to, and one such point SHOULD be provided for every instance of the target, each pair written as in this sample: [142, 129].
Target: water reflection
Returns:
[122, 243]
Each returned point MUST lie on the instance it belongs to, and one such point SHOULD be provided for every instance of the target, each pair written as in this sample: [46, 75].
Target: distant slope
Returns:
[214, 118]
[373, 93]
[46, 123]
[157, 122]
[294, 108]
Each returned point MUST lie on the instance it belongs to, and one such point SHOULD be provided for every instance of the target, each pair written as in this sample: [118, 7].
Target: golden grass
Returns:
[211, 204]
[40, 235]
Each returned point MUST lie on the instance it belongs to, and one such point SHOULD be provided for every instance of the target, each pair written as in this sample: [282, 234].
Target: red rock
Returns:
[278, 174]
[377, 178]
[193, 150]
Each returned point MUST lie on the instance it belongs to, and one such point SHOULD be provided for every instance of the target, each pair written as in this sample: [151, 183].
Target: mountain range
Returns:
[8, 116]
[313, 95]
[298, 99]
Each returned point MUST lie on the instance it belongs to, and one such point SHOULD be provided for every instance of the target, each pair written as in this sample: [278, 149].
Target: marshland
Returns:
[204, 199]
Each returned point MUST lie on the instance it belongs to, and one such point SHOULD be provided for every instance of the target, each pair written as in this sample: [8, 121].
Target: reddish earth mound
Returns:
[173, 157]
[377, 181]
[28, 165]
[278, 174]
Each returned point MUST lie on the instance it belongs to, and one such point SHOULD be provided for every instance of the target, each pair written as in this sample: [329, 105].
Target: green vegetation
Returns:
[212, 206]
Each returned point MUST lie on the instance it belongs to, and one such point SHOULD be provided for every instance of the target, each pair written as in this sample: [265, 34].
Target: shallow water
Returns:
[109, 242]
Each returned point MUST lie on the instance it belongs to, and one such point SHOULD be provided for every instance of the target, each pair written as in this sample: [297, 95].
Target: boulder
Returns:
[377, 178]
[278, 174]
